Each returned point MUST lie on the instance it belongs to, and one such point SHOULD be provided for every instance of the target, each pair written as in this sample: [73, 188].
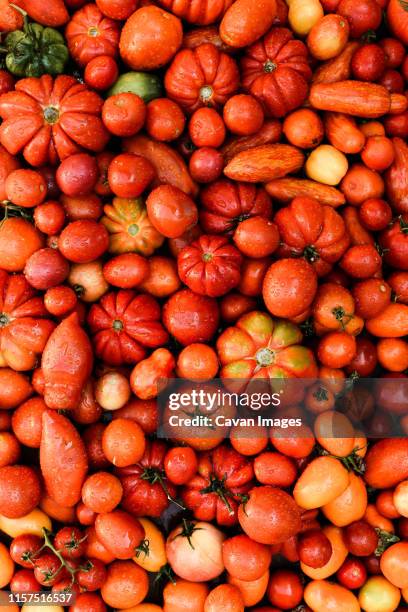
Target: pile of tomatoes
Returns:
[202, 189]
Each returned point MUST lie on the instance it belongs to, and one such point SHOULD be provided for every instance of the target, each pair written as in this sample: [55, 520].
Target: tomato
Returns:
[371, 297]
[9, 449]
[379, 595]
[77, 175]
[90, 34]
[223, 479]
[206, 128]
[361, 261]
[365, 360]
[360, 184]
[150, 373]
[14, 388]
[24, 548]
[123, 442]
[88, 602]
[366, 16]
[203, 76]
[244, 558]
[289, 287]
[396, 16]
[368, 63]
[20, 490]
[285, 589]
[361, 539]
[165, 120]
[399, 284]
[126, 271]
[352, 574]
[101, 72]
[171, 211]
[309, 491]
[25, 188]
[126, 585]
[243, 115]
[101, 492]
[49, 217]
[226, 203]
[129, 175]
[385, 504]
[394, 52]
[393, 354]
[392, 322]
[194, 551]
[117, 9]
[119, 532]
[393, 81]
[274, 469]
[178, 595]
[151, 553]
[197, 362]
[378, 153]
[6, 80]
[317, 232]
[163, 279]
[303, 128]
[190, 317]
[180, 464]
[206, 165]
[314, 548]
[267, 506]
[112, 390]
[322, 595]
[226, 597]
[70, 542]
[336, 349]
[393, 563]
[93, 576]
[375, 214]
[87, 281]
[18, 240]
[124, 114]
[60, 300]
[234, 305]
[27, 422]
[9, 163]
[83, 241]
[54, 129]
[276, 72]
[32, 523]
[150, 38]
[82, 207]
[46, 268]
[394, 242]
[328, 37]
[256, 237]
[327, 165]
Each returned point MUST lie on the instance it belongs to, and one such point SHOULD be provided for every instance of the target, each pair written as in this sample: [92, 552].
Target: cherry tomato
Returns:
[352, 573]
[285, 589]
[165, 120]
[375, 214]
[129, 175]
[101, 72]
[77, 174]
[360, 538]
[180, 464]
[124, 114]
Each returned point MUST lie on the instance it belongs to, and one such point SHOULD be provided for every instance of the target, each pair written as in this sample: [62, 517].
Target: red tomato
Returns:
[289, 287]
[124, 114]
[46, 268]
[378, 153]
[126, 271]
[25, 188]
[244, 558]
[336, 349]
[375, 214]
[171, 211]
[256, 237]
[83, 241]
[285, 589]
[366, 15]
[49, 217]
[352, 573]
[119, 532]
[368, 62]
[24, 548]
[20, 490]
[243, 115]
[190, 317]
[275, 469]
[165, 120]
[60, 300]
[101, 73]
[314, 548]
[180, 464]
[129, 175]
[77, 174]
[206, 128]
[206, 165]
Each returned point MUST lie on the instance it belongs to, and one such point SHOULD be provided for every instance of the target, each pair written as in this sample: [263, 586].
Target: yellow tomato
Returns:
[6, 566]
[155, 557]
[327, 165]
[32, 523]
[379, 595]
[350, 506]
[400, 498]
[339, 554]
[323, 596]
[324, 479]
[303, 15]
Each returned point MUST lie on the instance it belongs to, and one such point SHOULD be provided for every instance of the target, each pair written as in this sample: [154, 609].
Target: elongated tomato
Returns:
[324, 596]
[322, 481]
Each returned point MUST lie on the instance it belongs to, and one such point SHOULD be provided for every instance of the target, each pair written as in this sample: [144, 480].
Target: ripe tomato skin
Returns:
[171, 211]
[70, 542]
[123, 442]
[26, 188]
[394, 241]
[371, 297]
[206, 164]
[352, 573]
[77, 174]
[20, 490]
[256, 237]
[197, 362]
[165, 120]
[206, 128]
[119, 532]
[375, 214]
[275, 469]
[336, 349]
[49, 217]
[245, 559]
[361, 261]
[180, 464]
[83, 241]
[60, 300]
[234, 305]
[285, 589]
[394, 52]
[93, 576]
[126, 270]
[88, 602]
[126, 585]
[253, 272]
[366, 15]
[393, 354]
[365, 360]
[378, 153]
[129, 175]
[144, 412]
[393, 564]
[360, 539]
[314, 548]
[24, 547]
[289, 287]
[124, 114]
[46, 567]
[6, 81]
[101, 72]
[190, 317]
[24, 581]
[368, 62]
[243, 115]
[46, 268]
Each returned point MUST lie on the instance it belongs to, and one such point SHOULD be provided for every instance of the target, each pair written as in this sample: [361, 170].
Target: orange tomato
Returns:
[126, 585]
[394, 564]
[335, 433]
[321, 482]
[400, 498]
[178, 595]
[393, 354]
[323, 596]
[252, 591]
[392, 322]
[350, 506]
[377, 520]
[224, 598]
[6, 566]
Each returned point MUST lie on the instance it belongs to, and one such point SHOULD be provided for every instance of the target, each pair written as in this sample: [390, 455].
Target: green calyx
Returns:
[35, 50]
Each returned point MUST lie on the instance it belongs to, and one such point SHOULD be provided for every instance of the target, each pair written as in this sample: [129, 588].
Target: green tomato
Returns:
[147, 86]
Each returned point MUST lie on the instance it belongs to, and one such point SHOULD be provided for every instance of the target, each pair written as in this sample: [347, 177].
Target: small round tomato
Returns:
[289, 287]
[165, 120]
[398, 282]
[393, 354]
[243, 115]
[117, 9]
[394, 52]
[27, 422]
[275, 469]
[197, 362]
[129, 175]
[60, 300]
[360, 538]
[206, 164]
[352, 573]
[20, 490]
[336, 349]
[368, 62]
[249, 445]
[180, 464]
[379, 594]
[24, 581]
[360, 184]
[112, 390]
[378, 153]
[394, 242]
[144, 412]
[77, 174]
[79, 208]
[256, 237]
[393, 81]
[365, 361]
[46, 268]
[206, 128]
[126, 585]
[303, 128]
[70, 542]
[171, 211]
[101, 492]
[92, 576]
[253, 272]
[375, 214]
[371, 297]
[101, 72]
[190, 317]
[9, 449]
[285, 589]
[123, 442]
[234, 305]
[126, 271]
[124, 114]
[314, 548]
[46, 568]
[24, 548]
[83, 241]
[361, 261]
[49, 217]
[25, 188]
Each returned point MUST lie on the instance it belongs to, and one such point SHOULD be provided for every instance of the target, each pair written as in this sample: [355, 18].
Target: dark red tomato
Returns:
[371, 297]
[375, 214]
[83, 241]
[394, 52]
[86, 207]
[146, 489]
[372, 563]
[24, 548]
[365, 361]
[393, 81]
[190, 317]
[362, 16]
[77, 175]
[180, 464]
[360, 538]
[398, 282]
[403, 528]
[285, 589]
[6, 82]
[101, 72]
[49, 175]
[88, 602]
[92, 438]
[234, 305]
[46, 268]
[361, 261]
[103, 160]
[206, 165]
[352, 573]
[129, 175]
[70, 542]
[314, 548]
[397, 125]
[49, 217]
[84, 514]
[210, 266]
[144, 412]
[93, 576]
[368, 63]
[24, 581]
[394, 242]
[46, 569]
